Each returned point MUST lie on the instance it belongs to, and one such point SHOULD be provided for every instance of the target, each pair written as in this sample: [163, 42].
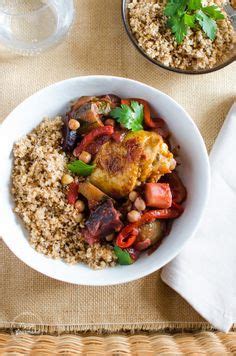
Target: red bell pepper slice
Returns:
[73, 193]
[129, 233]
[91, 136]
[152, 215]
[127, 236]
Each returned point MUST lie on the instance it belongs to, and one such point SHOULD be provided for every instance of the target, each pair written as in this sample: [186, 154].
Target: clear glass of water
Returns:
[29, 27]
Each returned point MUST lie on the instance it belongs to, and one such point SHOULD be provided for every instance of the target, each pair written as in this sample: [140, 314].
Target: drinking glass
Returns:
[29, 27]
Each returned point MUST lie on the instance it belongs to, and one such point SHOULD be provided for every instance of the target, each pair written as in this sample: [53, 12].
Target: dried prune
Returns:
[70, 138]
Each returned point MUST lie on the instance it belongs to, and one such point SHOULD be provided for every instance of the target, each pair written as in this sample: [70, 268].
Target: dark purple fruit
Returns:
[70, 138]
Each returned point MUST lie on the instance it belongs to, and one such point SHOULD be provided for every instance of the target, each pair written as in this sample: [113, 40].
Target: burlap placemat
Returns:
[98, 45]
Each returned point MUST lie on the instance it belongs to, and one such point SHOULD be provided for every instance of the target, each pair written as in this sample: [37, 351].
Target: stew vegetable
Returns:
[123, 174]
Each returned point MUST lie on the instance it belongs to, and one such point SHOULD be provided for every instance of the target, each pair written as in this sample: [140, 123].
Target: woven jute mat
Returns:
[201, 343]
[98, 44]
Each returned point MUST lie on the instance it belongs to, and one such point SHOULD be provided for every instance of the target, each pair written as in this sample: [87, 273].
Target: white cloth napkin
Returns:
[204, 273]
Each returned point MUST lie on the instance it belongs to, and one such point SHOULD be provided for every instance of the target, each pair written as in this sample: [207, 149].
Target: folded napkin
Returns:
[205, 271]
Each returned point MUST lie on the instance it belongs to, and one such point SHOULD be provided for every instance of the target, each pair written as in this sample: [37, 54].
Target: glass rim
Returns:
[28, 13]
[159, 64]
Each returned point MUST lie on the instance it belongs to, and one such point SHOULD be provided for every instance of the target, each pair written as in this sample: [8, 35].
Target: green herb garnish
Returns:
[130, 117]
[184, 14]
[123, 256]
[81, 168]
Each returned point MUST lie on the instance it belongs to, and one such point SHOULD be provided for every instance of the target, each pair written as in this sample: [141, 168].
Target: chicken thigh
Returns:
[120, 167]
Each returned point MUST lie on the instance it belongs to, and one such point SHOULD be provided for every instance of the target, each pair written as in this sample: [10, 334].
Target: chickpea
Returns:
[85, 157]
[133, 216]
[79, 217]
[80, 206]
[133, 196]
[110, 122]
[110, 237]
[66, 179]
[140, 204]
[73, 124]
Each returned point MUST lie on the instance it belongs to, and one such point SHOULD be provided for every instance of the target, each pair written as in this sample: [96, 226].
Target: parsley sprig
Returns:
[184, 14]
[131, 117]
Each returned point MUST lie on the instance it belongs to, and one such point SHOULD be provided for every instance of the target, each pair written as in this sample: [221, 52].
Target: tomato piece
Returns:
[73, 193]
[158, 195]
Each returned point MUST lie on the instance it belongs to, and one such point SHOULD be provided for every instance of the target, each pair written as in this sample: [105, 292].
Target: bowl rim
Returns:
[152, 268]
[159, 64]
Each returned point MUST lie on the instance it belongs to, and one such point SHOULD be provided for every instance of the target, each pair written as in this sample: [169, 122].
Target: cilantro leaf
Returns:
[195, 4]
[173, 6]
[207, 24]
[130, 117]
[178, 27]
[80, 168]
[185, 14]
[214, 12]
[189, 20]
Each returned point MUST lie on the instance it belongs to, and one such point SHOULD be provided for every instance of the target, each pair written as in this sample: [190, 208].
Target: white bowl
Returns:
[194, 171]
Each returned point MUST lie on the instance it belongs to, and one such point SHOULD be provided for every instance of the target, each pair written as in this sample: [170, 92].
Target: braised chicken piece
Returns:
[127, 181]
[121, 166]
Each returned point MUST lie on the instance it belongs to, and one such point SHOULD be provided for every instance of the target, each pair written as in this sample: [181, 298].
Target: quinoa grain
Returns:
[40, 199]
[148, 24]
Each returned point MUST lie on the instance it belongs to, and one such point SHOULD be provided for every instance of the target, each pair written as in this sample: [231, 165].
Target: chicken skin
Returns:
[121, 166]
